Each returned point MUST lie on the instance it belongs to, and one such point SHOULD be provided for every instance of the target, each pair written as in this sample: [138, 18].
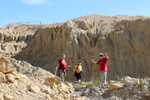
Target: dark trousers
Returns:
[78, 76]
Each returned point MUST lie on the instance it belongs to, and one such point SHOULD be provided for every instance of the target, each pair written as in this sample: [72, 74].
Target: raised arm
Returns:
[106, 56]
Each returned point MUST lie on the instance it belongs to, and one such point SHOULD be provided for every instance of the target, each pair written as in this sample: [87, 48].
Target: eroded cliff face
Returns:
[15, 36]
[124, 38]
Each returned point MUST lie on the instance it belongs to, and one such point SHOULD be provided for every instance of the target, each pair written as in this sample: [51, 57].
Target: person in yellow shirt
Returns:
[78, 70]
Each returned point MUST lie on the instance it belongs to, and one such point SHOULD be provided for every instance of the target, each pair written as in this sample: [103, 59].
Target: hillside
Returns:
[125, 39]
[29, 55]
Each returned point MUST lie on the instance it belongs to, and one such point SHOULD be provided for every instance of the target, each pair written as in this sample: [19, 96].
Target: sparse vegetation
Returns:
[118, 78]
[97, 83]
[122, 81]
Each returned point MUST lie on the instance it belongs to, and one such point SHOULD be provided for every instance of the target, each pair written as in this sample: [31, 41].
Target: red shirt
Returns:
[62, 63]
[103, 64]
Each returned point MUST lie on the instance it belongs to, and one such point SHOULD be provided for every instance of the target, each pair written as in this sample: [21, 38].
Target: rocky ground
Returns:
[126, 89]
[40, 85]
[34, 83]
[125, 38]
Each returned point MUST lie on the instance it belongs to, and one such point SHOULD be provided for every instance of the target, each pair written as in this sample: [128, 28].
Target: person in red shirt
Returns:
[102, 66]
[61, 68]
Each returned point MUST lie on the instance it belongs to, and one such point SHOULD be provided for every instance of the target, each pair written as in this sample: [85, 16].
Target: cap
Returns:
[79, 61]
[101, 54]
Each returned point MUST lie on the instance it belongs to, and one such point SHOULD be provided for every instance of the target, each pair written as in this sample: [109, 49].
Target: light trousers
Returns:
[103, 77]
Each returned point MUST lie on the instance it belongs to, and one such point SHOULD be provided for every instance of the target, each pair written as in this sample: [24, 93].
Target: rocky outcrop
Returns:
[115, 90]
[124, 38]
[16, 86]
[14, 37]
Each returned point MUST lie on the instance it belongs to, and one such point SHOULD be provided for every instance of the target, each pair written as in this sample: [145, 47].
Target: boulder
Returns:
[64, 89]
[52, 81]
[131, 81]
[20, 76]
[115, 85]
[34, 88]
[5, 66]
[142, 82]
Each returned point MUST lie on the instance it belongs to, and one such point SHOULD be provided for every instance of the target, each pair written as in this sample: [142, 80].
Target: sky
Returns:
[54, 11]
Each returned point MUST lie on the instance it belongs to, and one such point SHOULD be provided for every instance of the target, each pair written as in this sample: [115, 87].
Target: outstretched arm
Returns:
[106, 56]
[93, 61]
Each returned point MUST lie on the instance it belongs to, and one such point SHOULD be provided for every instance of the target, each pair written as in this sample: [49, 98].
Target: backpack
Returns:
[75, 74]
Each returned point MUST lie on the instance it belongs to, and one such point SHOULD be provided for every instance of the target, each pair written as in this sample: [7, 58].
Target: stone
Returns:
[69, 84]
[10, 78]
[1, 96]
[20, 77]
[96, 91]
[115, 85]
[34, 88]
[134, 97]
[79, 87]
[144, 88]
[89, 85]
[147, 94]
[2, 78]
[46, 90]
[5, 66]
[131, 81]
[142, 81]
[52, 81]
[64, 89]
[6, 69]
[9, 97]
[86, 92]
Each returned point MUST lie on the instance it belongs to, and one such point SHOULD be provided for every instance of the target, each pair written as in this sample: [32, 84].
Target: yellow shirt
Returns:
[79, 69]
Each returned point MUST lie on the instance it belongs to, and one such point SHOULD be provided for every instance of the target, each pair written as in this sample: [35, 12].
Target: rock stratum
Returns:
[125, 39]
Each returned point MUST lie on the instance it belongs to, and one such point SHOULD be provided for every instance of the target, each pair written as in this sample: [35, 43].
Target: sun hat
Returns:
[101, 54]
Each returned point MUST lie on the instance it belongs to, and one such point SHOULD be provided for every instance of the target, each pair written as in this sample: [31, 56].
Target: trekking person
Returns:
[78, 70]
[102, 67]
[61, 68]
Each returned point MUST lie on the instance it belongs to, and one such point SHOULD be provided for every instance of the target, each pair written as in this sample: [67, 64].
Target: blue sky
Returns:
[53, 11]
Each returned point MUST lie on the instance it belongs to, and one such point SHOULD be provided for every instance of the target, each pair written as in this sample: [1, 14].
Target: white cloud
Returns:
[34, 2]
